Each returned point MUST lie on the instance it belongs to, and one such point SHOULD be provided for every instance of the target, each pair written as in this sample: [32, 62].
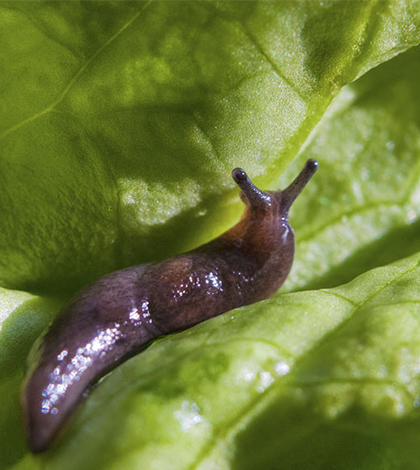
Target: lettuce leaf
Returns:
[118, 132]
[315, 378]
[362, 209]
[120, 123]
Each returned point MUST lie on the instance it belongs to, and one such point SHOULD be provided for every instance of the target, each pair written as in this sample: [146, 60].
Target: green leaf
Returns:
[362, 208]
[319, 379]
[23, 317]
[118, 134]
[119, 125]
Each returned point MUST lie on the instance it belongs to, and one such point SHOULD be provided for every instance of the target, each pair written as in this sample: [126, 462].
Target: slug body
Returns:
[121, 313]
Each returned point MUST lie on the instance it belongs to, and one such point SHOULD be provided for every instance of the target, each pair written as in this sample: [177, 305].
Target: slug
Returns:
[123, 312]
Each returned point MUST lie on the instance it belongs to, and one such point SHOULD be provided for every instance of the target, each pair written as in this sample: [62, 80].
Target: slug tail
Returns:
[40, 430]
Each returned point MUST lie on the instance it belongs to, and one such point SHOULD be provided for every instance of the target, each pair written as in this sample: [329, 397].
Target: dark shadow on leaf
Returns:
[290, 436]
[399, 243]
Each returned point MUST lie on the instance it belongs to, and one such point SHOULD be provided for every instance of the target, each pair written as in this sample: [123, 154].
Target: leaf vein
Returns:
[261, 401]
[76, 76]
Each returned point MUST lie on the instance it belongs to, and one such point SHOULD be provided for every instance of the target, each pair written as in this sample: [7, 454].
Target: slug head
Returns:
[275, 203]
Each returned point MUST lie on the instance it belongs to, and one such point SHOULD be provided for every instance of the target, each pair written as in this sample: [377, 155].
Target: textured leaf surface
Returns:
[119, 125]
[362, 209]
[118, 133]
[306, 378]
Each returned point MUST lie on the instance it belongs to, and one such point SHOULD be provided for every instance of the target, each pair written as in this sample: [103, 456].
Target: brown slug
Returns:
[122, 313]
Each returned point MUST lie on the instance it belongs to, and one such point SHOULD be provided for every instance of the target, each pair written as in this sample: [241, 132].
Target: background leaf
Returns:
[126, 127]
[119, 125]
[362, 208]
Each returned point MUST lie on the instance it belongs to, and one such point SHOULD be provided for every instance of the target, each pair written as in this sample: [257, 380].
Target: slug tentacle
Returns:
[120, 314]
[290, 193]
[257, 199]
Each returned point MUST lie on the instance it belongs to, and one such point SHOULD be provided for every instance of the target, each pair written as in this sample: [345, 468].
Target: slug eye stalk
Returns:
[292, 191]
[258, 199]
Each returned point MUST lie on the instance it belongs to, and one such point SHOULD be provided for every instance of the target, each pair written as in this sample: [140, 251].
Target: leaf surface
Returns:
[119, 125]
[305, 379]
[117, 134]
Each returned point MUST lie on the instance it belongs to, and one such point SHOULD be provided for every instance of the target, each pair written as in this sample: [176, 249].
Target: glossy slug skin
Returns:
[121, 313]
